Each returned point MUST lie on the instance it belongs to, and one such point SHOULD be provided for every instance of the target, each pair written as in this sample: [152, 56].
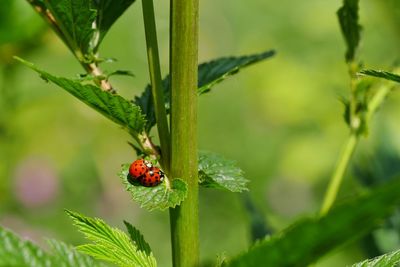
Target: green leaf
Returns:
[108, 11]
[75, 20]
[112, 106]
[82, 24]
[218, 172]
[67, 256]
[161, 197]
[213, 72]
[386, 260]
[209, 74]
[309, 239]
[15, 252]
[137, 238]
[382, 74]
[348, 20]
[109, 244]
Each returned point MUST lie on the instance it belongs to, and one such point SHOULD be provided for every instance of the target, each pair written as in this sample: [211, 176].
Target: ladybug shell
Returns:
[139, 167]
[152, 177]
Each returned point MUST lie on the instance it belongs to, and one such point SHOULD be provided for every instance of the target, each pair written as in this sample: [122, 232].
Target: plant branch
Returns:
[156, 82]
[183, 68]
[338, 174]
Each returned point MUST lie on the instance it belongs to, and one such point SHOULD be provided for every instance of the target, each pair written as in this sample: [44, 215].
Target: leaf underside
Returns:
[309, 239]
[159, 197]
[209, 74]
[112, 106]
[218, 172]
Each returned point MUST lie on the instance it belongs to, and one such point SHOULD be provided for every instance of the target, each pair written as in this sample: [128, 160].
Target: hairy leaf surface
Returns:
[109, 244]
[385, 260]
[161, 197]
[218, 172]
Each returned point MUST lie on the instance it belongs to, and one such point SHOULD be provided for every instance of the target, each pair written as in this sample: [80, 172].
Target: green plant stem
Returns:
[156, 82]
[338, 174]
[183, 68]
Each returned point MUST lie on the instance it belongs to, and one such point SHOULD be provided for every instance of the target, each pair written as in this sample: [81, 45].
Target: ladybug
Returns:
[152, 177]
[138, 168]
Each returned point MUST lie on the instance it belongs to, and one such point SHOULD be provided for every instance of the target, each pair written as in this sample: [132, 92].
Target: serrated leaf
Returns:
[209, 74]
[218, 172]
[108, 11]
[75, 20]
[112, 106]
[307, 240]
[382, 74]
[67, 256]
[121, 73]
[215, 71]
[348, 20]
[160, 197]
[110, 244]
[137, 238]
[386, 260]
[16, 252]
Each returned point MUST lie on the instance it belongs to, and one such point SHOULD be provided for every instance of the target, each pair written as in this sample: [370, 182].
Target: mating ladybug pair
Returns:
[145, 173]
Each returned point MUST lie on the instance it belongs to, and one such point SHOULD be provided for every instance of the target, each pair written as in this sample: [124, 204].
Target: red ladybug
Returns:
[138, 168]
[152, 177]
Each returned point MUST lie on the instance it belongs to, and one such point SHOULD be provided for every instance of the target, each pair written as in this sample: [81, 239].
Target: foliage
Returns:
[382, 74]
[209, 74]
[166, 195]
[111, 105]
[386, 260]
[217, 172]
[348, 20]
[82, 24]
[309, 239]
[15, 252]
[111, 244]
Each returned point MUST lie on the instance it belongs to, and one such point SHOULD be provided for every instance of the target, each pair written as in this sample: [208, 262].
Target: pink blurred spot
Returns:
[36, 183]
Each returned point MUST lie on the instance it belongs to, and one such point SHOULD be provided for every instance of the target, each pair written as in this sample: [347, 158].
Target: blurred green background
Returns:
[281, 120]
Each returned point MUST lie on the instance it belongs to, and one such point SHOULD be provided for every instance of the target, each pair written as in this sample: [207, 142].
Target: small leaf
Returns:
[386, 260]
[108, 11]
[209, 74]
[348, 20]
[159, 197]
[218, 172]
[112, 106]
[121, 73]
[137, 238]
[382, 74]
[215, 71]
[110, 244]
[309, 239]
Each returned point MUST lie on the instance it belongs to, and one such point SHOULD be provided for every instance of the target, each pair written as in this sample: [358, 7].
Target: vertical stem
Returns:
[183, 68]
[156, 81]
[338, 174]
